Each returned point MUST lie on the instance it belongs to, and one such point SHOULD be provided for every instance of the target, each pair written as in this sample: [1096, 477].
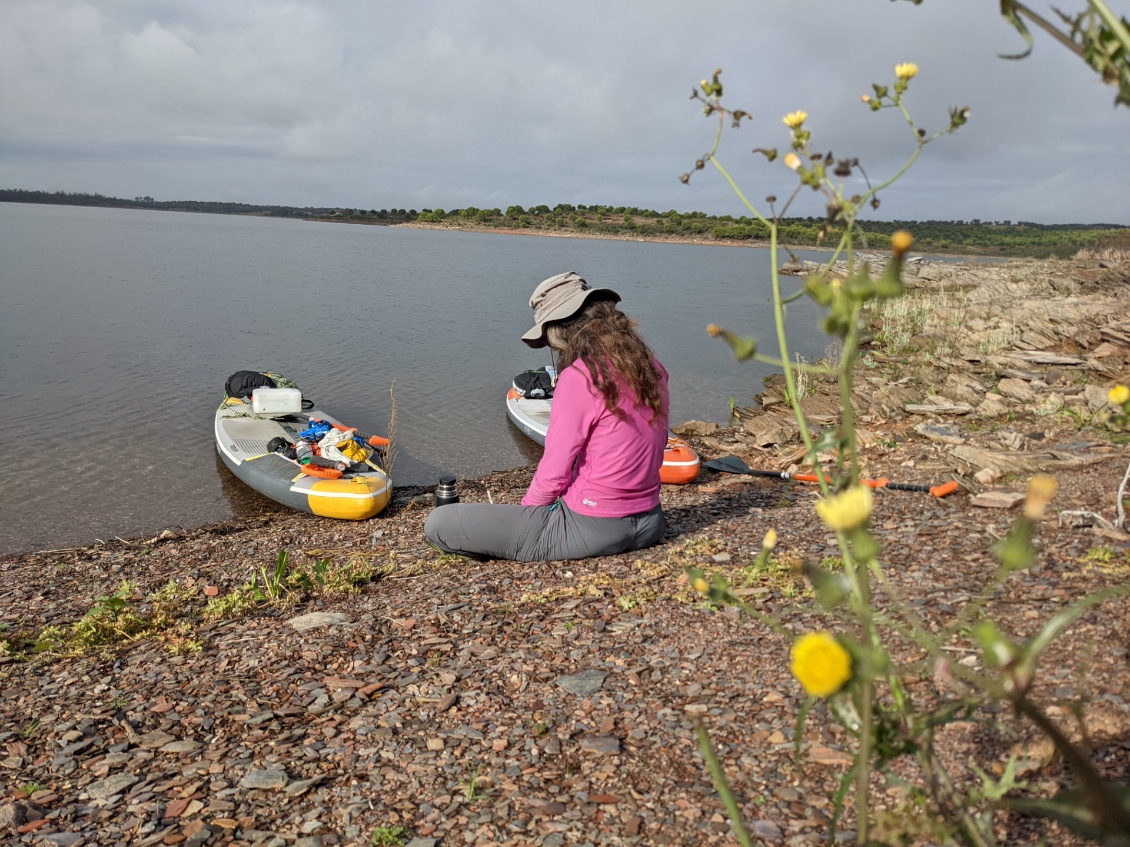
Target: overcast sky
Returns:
[452, 103]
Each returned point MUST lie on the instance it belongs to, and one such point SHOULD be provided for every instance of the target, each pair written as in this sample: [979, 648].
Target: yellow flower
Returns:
[793, 120]
[1041, 490]
[701, 585]
[1119, 395]
[846, 510]
[820, 663]
[907, 70]
[866, 98]
[770, 540]
[792, 161]
[901, 241]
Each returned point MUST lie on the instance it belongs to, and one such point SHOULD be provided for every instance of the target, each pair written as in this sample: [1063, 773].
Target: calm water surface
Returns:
[118, 329]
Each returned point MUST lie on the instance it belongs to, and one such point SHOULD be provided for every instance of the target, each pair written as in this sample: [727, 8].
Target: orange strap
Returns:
[320, 472]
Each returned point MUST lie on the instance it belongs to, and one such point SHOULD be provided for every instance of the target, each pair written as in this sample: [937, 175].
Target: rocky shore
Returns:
[447, 702]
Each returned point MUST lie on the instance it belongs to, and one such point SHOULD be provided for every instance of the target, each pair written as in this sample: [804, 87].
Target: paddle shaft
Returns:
[937, 490]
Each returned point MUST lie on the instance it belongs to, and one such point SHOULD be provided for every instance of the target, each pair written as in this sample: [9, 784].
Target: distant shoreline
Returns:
[671, 239]
[603, 236]
[945, 239]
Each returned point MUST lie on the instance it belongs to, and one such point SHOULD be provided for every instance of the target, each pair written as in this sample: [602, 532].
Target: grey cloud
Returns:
[448, 104]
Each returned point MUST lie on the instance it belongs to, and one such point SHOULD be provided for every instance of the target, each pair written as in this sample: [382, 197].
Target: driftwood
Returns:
[1087, 518]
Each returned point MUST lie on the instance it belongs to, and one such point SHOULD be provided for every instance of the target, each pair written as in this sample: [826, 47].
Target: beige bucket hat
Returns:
[558, 298]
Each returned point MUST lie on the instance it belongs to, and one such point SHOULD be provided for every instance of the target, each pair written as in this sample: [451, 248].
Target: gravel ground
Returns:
[527, 704]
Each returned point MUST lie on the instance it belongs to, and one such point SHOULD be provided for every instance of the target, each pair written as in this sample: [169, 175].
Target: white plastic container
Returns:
[276, 401]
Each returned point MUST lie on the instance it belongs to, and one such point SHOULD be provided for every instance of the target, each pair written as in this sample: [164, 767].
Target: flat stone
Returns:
[829, 756]
[936, 432]
[264, 779]
[997, 499]
[768, 830]
[991, 407]
[183, 746]
[601, 745]
[301, 786]
[12, 815]
[317, 619]
[155, 739]
[446, 702]
[937, 409]
[1017, 389]
[584, 683]
[111, 785]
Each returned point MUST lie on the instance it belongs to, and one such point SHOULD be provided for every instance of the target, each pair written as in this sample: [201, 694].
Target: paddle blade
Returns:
[728, 464]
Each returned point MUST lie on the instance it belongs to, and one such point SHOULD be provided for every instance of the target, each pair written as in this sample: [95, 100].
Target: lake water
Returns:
[118, 329]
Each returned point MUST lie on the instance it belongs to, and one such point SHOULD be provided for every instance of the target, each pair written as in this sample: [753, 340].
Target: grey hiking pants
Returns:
[538, 533]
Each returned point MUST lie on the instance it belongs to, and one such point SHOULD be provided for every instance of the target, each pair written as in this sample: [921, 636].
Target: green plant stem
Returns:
[723, 786]
[945, 793]
[847, 410]
[866, 705]
[783, 348]
[861, 605]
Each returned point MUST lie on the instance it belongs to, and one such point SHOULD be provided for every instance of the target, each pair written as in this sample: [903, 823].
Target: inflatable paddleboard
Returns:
[244, 433]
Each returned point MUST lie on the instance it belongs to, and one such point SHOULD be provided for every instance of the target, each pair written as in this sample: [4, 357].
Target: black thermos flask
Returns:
[446, 492]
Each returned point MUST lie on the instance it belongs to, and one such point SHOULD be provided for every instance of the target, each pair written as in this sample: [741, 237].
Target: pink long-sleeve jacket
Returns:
[600, 465]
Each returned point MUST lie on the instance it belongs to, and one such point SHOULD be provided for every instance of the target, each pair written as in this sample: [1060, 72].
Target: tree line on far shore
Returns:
[978, 237]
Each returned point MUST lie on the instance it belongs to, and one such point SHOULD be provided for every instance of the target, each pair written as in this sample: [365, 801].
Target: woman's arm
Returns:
[575, 410]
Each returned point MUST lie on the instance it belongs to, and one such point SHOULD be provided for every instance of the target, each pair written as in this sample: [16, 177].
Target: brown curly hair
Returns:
[606, 340]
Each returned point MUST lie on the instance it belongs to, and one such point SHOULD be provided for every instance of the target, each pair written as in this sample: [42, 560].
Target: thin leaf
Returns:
[1010, 14]
[1056, 626]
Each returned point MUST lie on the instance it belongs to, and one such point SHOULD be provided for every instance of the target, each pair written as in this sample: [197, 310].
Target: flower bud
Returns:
[1041, 490]
[743, 347]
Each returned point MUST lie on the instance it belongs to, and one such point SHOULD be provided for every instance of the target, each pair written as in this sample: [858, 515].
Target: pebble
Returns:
[264, 780]
[603, 745]
[767, 830]
[110, 786]
[583, 684]
[318, 619]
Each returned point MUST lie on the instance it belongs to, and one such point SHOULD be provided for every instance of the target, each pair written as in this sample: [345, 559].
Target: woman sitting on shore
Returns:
[596, 488]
